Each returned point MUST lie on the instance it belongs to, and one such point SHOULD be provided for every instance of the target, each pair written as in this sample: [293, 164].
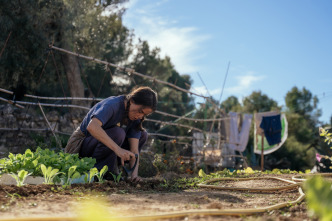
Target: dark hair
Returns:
[144, 96]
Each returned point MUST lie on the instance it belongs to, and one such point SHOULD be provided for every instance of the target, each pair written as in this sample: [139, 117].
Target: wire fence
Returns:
[174, 139]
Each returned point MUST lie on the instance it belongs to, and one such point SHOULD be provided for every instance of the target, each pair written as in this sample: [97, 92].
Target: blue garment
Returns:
[91, 147]
[110, 112]
[272, 129]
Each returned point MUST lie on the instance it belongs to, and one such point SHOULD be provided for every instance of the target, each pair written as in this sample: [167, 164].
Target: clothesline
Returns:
[129, 70]
[99, 99]
[132, 71]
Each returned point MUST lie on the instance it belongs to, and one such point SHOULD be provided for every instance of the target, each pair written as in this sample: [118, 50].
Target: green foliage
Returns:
[319, 197]
[296, 153]
[171, 161]
[20, 63]
[92, 173]
[160, 163]
[71, 175]
[202, 176]
[20, 177]
[319, 190]
[117, 178]
[259, 102]
[14, 163]
[76, 25]
[302, 102]
[49, 173]
[101, 174]
[149, 62]
[328, 136]
[201, 173]
[32, 161]
[231, 104]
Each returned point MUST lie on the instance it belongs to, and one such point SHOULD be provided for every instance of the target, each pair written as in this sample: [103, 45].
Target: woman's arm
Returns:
[95, 129]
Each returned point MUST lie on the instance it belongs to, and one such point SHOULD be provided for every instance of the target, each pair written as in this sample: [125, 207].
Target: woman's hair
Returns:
[144, 96]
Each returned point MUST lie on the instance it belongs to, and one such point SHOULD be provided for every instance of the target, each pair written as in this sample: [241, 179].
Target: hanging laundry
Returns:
[259, 132]
[272, 128]
[259, 117]
[238, 140]
[244, 133]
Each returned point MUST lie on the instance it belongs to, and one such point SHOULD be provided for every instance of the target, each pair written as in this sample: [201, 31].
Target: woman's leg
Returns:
[91, 147]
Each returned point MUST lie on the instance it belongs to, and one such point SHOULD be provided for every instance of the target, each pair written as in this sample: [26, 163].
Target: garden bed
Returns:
[150, 197]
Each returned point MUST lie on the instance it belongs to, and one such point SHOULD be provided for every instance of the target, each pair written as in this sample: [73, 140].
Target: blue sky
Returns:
[271, 45]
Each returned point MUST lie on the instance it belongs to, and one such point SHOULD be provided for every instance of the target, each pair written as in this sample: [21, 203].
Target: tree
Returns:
[231, 104]
[258, 102]
[81, 26]
[148, 61]
[303, 134]
[22, 58]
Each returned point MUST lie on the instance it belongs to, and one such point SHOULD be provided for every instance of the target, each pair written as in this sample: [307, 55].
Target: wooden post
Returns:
[262, 153]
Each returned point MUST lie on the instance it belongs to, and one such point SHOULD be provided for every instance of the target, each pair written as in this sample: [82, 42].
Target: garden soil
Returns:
[151, 196]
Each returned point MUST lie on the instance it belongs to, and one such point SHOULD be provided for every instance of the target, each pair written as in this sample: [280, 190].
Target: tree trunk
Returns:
[75, 84]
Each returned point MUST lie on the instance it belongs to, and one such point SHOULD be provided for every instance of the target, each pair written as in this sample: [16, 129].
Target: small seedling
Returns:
[92, 173]
[72, 175]
[20, 177]
[49, 173]
[117, 178]
[101, 174]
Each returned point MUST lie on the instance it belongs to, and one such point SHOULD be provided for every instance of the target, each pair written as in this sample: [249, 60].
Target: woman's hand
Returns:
[135, 179]
[125, 155]
[96, 130]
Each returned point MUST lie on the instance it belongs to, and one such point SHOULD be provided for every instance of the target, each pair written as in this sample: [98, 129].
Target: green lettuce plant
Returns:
[89, 176]
[20, 177]
[49, 173]
[71, 175]
[101, 174]
[31, 161]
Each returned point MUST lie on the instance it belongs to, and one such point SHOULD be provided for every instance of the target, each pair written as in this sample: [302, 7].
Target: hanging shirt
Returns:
[272, 129]
[238, 140]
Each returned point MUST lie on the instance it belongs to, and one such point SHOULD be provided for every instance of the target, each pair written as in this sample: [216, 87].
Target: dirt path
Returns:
[149, 197]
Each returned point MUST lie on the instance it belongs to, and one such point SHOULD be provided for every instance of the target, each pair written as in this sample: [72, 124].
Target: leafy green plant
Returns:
[20, 177]
[101, 174]
[89, 176]
[49, 173]
[319, 197]
[116, 178]
[31, 161]
[71, 175]
[319, 190]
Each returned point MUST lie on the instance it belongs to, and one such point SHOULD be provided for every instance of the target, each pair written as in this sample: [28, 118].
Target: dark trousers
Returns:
[91, 147]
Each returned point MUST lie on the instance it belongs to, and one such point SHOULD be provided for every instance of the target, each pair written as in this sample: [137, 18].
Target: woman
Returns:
[113, 129]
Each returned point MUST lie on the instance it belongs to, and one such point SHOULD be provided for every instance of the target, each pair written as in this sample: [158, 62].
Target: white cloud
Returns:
[244, 83]
[179, 43]
[203, 91]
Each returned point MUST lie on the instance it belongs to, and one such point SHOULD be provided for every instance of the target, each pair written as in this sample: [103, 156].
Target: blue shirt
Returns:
[272, 129]
[110, 112]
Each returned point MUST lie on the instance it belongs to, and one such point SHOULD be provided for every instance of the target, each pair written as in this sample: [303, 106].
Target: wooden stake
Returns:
[262, 154]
